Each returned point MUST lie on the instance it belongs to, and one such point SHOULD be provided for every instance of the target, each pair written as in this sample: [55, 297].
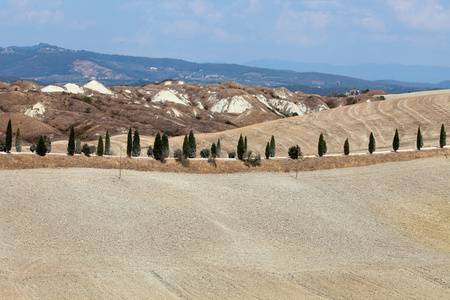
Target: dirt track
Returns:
[341, 234]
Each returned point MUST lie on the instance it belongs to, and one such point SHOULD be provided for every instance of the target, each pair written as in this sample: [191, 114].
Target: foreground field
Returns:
[376, 232]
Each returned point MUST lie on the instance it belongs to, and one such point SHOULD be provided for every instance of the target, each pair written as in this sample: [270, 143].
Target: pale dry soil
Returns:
[377, 232]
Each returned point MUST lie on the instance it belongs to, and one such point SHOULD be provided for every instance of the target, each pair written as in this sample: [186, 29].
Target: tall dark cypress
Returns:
[71, 143]
[321, 146]
[245, 146]
[372, 145]
[219, 148]
[107, 144]
[100, 151]
[186, 146]
[396, 141]
[272, 146]
[442, 137]
[240, 148]
[19, 140]
[41, 149]
[213, 150]
[267, 152]
[136, 150]
[192, 145]
[419, 141]
[157, 147]
[129, 143]
[8, 140]
[346, 147]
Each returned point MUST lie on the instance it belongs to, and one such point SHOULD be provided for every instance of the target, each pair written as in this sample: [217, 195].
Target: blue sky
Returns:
[339, 32]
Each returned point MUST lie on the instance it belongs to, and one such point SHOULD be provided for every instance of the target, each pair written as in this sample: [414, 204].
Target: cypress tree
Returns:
[240, 148]
[157, 147]
[321, 146]
[136, 151]
[267, 153]
[41, 149]
[8, 140]
[129, 143]
[192, 145]
[325, 148]
[48, 144]
[371, 143]
[419, 139]
[78, 146]
[245, 146]
[100, 146]
[18, 142]
[272, 146]
[346, 147]
[71, 144]
[107, 144]
[219, 148]
[442, 137]
[213, 150]
[396, 141]
[165, 145]
[186, 146]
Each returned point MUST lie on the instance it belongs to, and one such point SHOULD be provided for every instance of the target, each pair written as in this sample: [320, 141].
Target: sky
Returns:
[338, 32]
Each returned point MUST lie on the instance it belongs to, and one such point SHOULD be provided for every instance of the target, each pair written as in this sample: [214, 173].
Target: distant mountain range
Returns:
[397, 72]
[49, 64]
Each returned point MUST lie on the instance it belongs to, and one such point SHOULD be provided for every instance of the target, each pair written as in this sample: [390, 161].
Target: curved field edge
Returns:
[33, 161]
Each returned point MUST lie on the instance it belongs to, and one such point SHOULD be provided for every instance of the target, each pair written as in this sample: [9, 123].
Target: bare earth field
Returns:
[374, 232]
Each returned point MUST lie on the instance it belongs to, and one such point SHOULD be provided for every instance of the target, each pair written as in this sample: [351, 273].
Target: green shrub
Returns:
[86, 150]
[181, 158]
[78, 146]
[150, 151]
[295, 152]
[33, 148]
[232, 154]
[252, 161]
[205, 153]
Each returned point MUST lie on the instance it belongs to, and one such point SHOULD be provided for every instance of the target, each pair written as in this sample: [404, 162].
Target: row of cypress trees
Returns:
[395, 142]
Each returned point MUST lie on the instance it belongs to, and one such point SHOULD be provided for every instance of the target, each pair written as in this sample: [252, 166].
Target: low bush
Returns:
[294, 152]
[232, 154]
[205, 153]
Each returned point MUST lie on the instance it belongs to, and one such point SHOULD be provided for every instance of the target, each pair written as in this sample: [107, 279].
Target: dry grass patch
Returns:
[31, 161]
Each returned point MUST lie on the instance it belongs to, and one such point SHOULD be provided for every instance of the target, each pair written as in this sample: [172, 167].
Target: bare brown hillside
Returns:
[171, 106]
[354, 122]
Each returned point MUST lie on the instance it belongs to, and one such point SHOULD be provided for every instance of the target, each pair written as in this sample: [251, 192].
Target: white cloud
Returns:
[205, 10]
[421, 14]
[27, 12]
[370, 22]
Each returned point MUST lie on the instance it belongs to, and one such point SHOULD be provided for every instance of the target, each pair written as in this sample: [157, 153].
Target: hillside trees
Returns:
[78, 146]
[8, 140]
[186, 146]
[442, 137]
[396, 141]
[107, 144]
[150, 151]
[267, 152]
[136, 149]
[295, 152]
[205, 153]
[213, 150]
[272, 146]
[129, 143]
[419, 142]
[321, 146]
[219, 148]
[192, 145]
[157, 147]
[240, 148]
[346, 147]
[71, 143]
[41, 149]
[372, 145]
[18, 142]
[100, 146]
